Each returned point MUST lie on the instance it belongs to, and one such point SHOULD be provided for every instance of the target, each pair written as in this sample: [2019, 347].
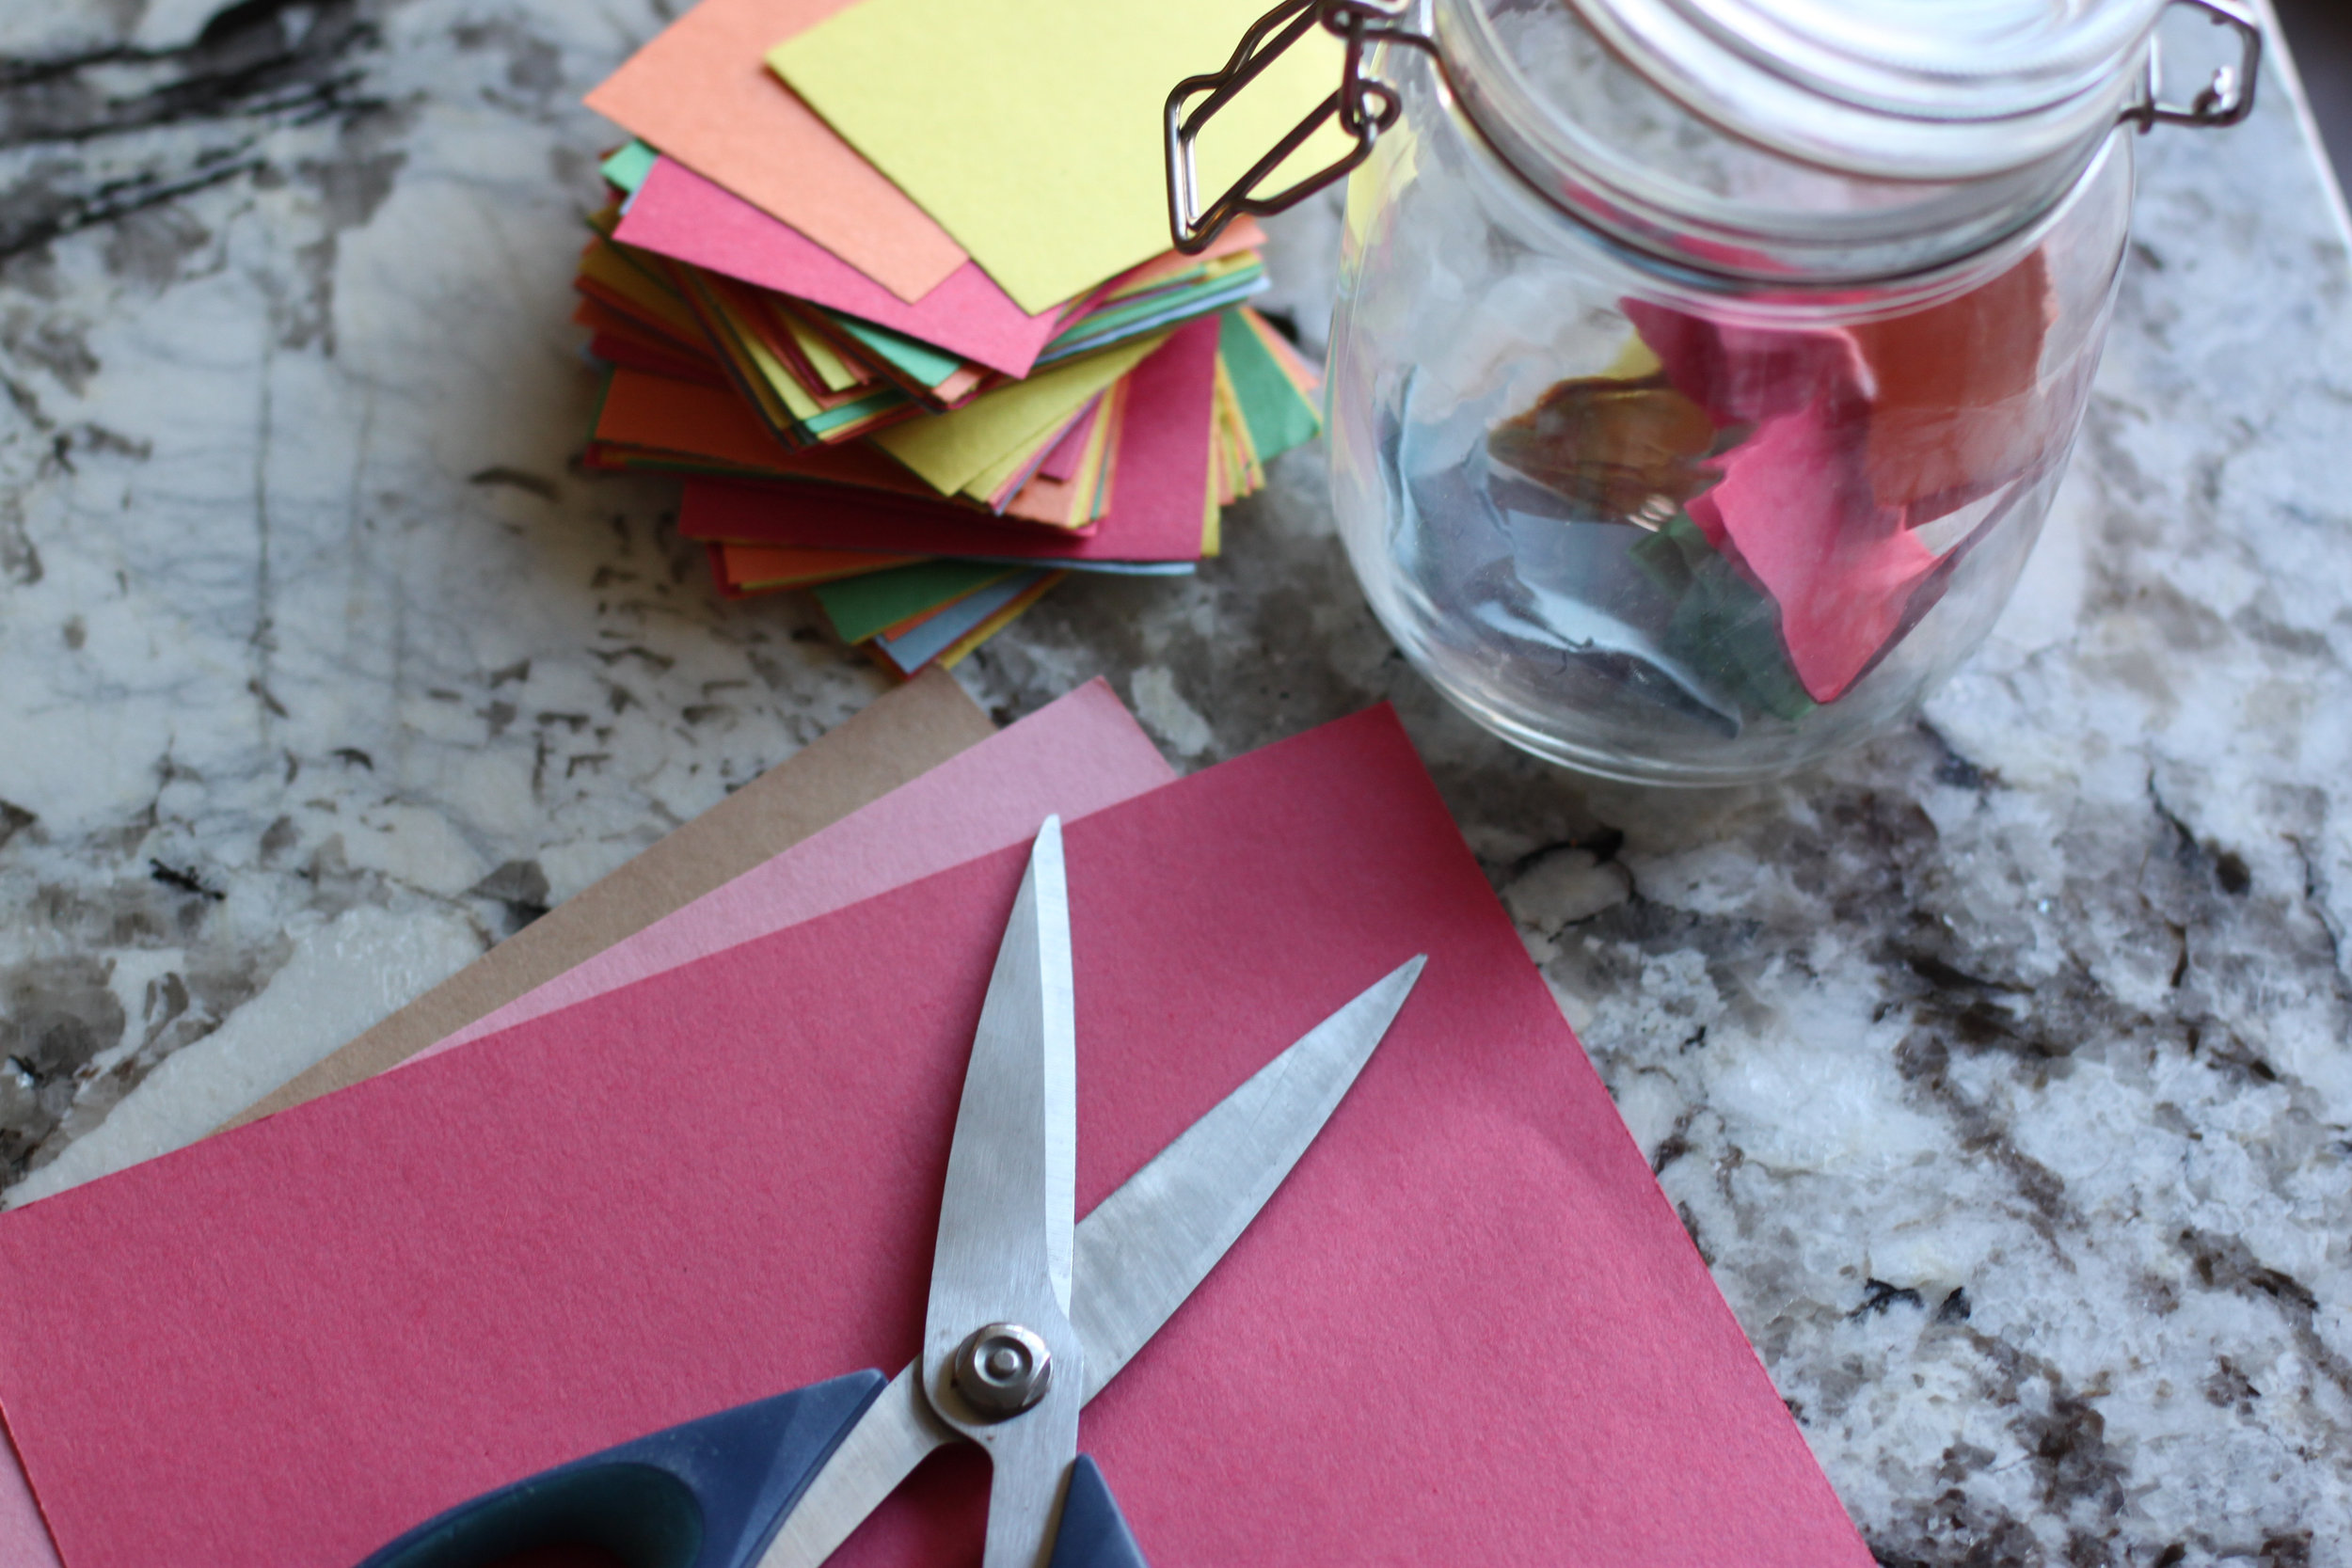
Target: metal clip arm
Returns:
[1363, 106]
[2228, 95]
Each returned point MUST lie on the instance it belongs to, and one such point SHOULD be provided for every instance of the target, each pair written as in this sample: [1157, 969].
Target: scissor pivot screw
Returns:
[1002, 1370]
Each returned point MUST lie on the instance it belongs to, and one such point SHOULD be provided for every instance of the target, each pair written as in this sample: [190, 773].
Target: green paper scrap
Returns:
[1199, 284]
[866, 408]
[629, 168]
[919, 361]
[1723, 626]
[1154, 311]
[604, 394]
[1277, 415]
[860, 607]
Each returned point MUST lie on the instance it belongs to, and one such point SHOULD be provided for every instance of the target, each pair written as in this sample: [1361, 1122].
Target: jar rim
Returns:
[1855, 226]
[1981, 66]
[1782, 301]
[1808, 81]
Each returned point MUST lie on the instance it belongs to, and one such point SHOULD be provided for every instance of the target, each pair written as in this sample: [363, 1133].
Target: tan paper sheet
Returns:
[899, 735]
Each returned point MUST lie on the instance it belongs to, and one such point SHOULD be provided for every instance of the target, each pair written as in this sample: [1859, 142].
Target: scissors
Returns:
[1029, 1315]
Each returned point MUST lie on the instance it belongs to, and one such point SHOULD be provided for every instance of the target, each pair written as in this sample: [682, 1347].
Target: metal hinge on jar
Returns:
[1364, 107]
[2228, 95]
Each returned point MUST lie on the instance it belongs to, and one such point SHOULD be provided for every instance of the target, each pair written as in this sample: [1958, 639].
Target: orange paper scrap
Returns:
[700, 93]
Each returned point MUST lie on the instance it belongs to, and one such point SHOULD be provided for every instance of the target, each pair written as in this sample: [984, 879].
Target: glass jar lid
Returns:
[1910, 89]
[1799, 142]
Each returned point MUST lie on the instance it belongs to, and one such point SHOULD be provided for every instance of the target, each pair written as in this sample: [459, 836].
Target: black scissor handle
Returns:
[707, 1494]
[710, 1494]
[1092, 1532]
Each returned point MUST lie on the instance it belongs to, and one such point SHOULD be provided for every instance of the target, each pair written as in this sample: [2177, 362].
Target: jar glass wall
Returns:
[1680, 524]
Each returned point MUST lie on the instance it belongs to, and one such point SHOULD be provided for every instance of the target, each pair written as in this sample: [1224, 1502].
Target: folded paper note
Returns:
[308, 1335]
[1848, 440]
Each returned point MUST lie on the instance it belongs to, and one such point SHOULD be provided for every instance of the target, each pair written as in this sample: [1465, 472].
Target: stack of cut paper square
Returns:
[890, 284]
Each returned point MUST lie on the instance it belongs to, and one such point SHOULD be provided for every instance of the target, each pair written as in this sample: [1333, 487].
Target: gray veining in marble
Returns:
[1999, 1071]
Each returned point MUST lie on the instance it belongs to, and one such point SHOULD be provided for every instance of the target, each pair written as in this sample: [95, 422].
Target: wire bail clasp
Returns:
[1364, 105]
[2228, 95]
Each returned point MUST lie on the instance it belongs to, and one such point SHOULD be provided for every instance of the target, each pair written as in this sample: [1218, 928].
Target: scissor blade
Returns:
[1012, 1169]
[1140, 1254]
[1146, 1247]
[1003, 1260]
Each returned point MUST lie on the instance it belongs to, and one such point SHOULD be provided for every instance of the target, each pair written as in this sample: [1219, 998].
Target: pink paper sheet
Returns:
[305, 1336]
[1062, 464]
[679, 213]
[1075, 756]
[1159, 493]
[1796, 501]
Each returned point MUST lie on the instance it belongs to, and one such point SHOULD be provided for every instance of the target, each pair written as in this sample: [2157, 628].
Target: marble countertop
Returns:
[1999, 1071]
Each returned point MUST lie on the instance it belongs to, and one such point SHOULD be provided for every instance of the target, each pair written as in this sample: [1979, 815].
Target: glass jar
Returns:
[1703, 369]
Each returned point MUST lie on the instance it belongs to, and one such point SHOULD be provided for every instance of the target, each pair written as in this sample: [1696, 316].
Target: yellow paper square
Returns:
[954, 448]
[1032, 130]
[829, 365]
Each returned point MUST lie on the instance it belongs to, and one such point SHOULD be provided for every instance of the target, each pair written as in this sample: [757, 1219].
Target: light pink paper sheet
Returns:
[1062, 464]
[1074, 757]
[23, 1537]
